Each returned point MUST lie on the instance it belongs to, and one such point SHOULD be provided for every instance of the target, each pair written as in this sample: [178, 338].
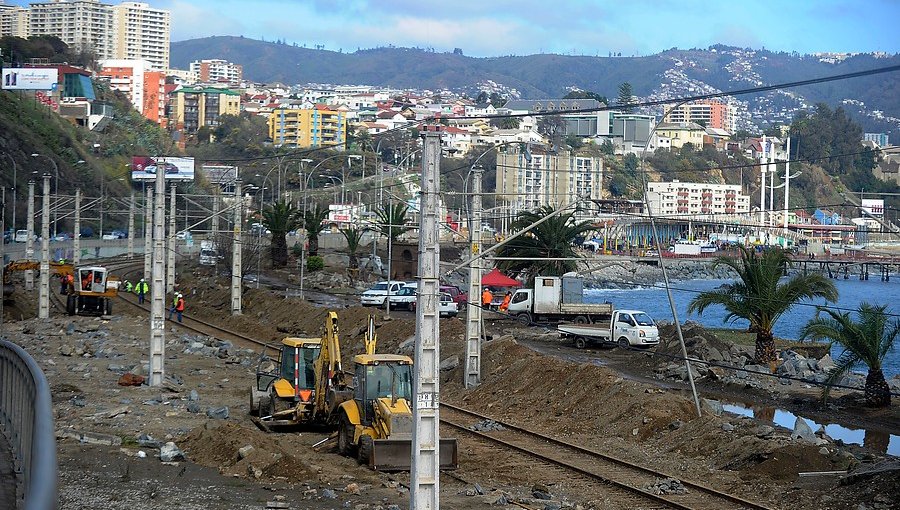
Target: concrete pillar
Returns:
[76, 235]
[29, 241]
[158, 287]
[473, 308]
[170, 254]
[236, 251]
[44, 289]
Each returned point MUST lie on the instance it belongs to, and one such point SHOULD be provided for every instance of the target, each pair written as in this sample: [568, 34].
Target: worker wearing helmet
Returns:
[142, 288]
[177, 306]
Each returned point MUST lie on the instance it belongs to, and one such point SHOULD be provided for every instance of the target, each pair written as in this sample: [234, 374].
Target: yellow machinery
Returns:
[30, 265]
[91, 291]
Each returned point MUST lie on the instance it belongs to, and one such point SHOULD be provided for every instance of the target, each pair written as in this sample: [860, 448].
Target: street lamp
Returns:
[15, 187]
[335, 179]
[343, 177]
[56, 192]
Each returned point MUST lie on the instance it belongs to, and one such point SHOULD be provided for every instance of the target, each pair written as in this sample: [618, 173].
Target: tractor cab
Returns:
[295, 378]
[382, 377]
[91, 279]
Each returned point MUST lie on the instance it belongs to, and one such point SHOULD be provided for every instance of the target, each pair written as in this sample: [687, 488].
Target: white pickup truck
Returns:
[556, 299]
[628, 328]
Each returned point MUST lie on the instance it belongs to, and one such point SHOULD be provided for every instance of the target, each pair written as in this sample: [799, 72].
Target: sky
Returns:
[522, 27]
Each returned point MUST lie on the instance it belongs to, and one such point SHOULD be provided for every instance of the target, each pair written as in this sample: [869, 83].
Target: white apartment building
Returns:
[548, 179]
[694, 198]
[217, 70]
[129, 30]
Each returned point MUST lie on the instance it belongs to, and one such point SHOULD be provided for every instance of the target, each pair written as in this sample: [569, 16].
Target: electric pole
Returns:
[44, 289]
[76, 235]
[158, 287]
[148, 234]
[236, 251]
[787, 183]
[215, 215]
[763, 168]
[473, 310]
[131, 227]
[424, 484]
[29, 240]
[170, 254]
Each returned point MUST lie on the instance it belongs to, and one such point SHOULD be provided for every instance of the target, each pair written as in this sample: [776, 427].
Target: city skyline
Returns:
[526, 27]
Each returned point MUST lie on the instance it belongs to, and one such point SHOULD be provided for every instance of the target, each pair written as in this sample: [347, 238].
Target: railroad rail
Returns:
[622, 476]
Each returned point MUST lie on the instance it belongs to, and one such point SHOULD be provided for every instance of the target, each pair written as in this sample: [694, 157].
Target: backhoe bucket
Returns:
[396, 454]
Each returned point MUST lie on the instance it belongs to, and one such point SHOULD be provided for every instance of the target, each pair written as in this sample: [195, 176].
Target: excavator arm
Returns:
[34, 265]
[329, 371]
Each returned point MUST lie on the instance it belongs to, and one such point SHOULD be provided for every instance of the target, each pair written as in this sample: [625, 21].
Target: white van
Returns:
[21, 236]
[377, 295]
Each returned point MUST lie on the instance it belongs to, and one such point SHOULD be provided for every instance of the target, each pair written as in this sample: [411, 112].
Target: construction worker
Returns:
[63, 279]
[486, 297]
[70, 283]
[177, 307]
[142, 289]
[128, 286]
[88, 281]
[505, 304]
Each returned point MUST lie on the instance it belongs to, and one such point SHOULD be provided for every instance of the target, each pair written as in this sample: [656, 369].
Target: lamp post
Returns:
[56, 186]
[301, 169]
[335, 179]
[15, 187]
[344, 177]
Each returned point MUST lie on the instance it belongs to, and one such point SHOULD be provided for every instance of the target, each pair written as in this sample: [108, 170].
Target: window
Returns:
[388, 381]
[520, 297]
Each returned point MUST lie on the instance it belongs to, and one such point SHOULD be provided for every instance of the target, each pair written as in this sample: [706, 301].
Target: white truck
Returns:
[557, 299]
[685, 248]
[626, 328]
[209, 253]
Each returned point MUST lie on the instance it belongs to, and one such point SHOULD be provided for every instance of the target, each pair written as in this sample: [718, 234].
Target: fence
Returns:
[26, 422]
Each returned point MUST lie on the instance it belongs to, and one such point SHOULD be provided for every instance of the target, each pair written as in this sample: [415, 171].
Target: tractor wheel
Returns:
[108, 303]
[255, 401]
[580, 342]
[70, 305]
[346, 431]
[366, 447]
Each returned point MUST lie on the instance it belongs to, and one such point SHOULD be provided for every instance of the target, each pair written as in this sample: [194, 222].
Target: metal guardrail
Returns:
[26, 420]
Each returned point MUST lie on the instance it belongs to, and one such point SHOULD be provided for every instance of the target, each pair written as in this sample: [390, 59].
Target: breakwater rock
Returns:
[628, 274]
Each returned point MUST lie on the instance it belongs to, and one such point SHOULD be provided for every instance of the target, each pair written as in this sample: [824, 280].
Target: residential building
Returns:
[587, 124]
[192, 108]
[217, 70]
[630, 132]
[315, 127]
[678, 198]
[183, 77]
[144, 86]
[708, 113]
[880, 139]
[888, 167]
[682, 133]
[525, 184]
[129, 30]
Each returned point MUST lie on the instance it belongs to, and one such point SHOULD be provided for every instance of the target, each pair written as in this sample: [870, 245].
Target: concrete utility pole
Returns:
[158, 286]
[424, 493]
[44, 289]
[787, 183]
[763, 168]
[170, 254]
[473, 309]
[773, 168]
[131, 227]
[236, 251]
[29, 241]
[215, 216]
[148, 234]
[76, 235]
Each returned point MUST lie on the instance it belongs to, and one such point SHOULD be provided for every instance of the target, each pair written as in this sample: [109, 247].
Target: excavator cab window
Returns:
[388, 381]
[308, 355]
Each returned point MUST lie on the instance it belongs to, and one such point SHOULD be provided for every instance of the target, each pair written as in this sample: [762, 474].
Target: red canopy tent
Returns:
[497, 279]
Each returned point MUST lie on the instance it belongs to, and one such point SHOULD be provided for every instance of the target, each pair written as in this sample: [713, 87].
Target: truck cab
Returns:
[634, 328]
[555, 299]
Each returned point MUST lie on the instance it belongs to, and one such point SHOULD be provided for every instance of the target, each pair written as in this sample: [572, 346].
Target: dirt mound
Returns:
[699, 342]
[217, 445]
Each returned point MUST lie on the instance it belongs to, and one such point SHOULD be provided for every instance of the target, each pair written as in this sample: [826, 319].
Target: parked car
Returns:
[459, 297]
[405, 298]
[63, 236]
[109, 237]
[184, 234]
[447, 307]
[120, 234]
[378, 294]
[170, 168]
[21, 236]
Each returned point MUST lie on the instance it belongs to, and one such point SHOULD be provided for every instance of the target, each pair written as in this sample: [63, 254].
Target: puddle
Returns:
[875, 440]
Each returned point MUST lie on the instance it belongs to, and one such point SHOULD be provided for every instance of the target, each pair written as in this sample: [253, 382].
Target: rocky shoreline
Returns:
[629, 275]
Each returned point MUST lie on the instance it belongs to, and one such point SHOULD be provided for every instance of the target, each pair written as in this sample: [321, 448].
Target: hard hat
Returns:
[142, 279]
[179, 295]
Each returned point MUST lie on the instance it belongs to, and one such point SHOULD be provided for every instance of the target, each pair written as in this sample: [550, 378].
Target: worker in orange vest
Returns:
[486, 297]
[505, 304]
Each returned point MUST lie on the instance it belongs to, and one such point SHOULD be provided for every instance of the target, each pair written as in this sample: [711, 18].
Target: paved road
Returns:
[7, 476]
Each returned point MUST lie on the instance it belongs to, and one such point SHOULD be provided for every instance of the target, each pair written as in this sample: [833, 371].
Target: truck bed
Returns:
[599, 330]
[586, 308]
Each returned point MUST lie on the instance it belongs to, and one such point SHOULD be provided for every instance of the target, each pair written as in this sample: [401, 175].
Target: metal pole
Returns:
[763, 166]
[236, 251]
[170, 254]
[302, 264]
[76, 235]
[387, 301]
[158, 287]
[215, 219]
[473, 310]
[44, 289]
[148, 233]
[131, 227]
[787, 183]
[773, 169]
[29, 241]
[424, 487]
[100, 205]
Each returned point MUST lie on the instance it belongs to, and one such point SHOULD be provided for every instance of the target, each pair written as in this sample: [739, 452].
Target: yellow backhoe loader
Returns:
[90, 293]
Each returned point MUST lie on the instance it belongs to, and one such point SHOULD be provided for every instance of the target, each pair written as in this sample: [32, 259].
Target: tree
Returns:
[866, 340]
[280, 218]
[553, 238]
[353, 236]
[608, 148]
[392, 220]
[758, 297]
[626, 98]
[314, 223]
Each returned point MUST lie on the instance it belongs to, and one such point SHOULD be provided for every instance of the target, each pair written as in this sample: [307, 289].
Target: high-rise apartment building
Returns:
[195, 107]
[129, 30]
[217, 70]
[315, 127]
[143, 86]
[707, 113]
[688, 198]
[548, 179]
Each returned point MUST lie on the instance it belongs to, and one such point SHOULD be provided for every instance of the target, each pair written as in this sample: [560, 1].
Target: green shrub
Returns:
[315, 263]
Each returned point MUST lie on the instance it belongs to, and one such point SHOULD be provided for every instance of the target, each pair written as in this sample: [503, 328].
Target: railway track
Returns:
[627, 480]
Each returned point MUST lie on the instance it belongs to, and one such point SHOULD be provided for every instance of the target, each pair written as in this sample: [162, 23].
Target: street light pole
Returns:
[56, 186]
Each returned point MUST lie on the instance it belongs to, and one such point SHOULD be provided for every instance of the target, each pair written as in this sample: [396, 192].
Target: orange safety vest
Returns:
[180, 305]
[486, 297]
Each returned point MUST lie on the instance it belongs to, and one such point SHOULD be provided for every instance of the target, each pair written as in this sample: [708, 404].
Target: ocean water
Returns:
[654, 301]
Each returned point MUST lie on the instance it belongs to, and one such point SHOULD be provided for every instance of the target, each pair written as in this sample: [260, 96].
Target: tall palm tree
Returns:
[392, 220]
[353, 236]
[280, 218]
[866, 340]
[553, 238]
[759, 296]
[314, 223]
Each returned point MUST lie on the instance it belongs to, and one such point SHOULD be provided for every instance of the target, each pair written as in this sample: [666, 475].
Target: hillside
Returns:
[548, 75]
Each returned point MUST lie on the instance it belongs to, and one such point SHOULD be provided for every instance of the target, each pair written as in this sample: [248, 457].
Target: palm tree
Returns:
[553, 238]
[314, 223]
[280, 218]
[392, 220]
[353, 236]
[758, 297]
[865, 340]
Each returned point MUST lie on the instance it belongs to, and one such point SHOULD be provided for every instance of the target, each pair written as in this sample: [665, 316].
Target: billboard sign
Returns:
[145, 168]
[873, 207]
[220, 174]
[29, 78]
